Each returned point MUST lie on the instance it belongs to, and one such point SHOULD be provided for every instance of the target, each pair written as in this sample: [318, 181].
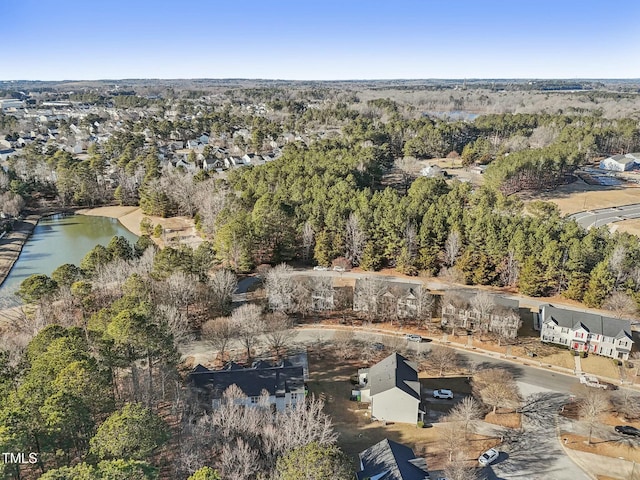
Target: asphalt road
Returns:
[535, 380]
[604, 216]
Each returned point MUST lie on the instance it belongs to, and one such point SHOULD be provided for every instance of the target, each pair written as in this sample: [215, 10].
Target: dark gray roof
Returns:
[275, 380]
[465, 296]
[395, 461]
[394, 371]
[607, 326]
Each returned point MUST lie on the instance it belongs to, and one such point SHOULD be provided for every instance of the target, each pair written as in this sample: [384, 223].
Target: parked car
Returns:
[338, 268]
[413, 338]
[378, 347]
[488, 457]
[628, 430]
[442, 393]
[320, 268]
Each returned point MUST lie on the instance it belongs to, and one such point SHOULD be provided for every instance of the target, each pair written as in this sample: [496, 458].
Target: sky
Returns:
[319, 40]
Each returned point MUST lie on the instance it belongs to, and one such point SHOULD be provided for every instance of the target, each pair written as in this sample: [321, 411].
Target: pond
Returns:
[60, 239]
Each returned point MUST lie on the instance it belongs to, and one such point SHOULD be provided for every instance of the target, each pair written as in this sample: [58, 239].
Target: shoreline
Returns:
[129, 217]
[11, 245]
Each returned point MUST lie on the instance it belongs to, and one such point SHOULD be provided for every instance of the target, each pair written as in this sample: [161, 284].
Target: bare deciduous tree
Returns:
[280, 288]
[369, 291]
[483, 302]
[622, 305]
[616, 263]
[176, 322]
[249, 325]
[452, 248]
[355, 239]
[279, 332]
[308, 236]
[180, 289]
[509, 269]
[466, 413]
[595, 402]
[627, 404]
[222, 284]
[211, 199]
[238, 461]
[450, 438]
[497, 388]
[441, 359]
[459, 469]
[344, 344]
[219, 333]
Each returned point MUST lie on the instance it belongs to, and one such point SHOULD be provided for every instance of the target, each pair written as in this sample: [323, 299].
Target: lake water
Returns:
[60, 239]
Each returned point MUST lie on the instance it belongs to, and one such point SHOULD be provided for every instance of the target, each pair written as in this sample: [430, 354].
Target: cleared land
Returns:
[579, 196]
[177, 229]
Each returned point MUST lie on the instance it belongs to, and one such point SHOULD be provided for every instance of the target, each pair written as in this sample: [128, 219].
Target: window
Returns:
[294, 397]
[255, 400]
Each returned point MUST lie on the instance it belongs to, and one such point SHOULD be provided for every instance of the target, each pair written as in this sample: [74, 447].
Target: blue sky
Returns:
[319, 40]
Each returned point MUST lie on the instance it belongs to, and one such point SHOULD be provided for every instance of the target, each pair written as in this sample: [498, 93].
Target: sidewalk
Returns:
[528, 362]
[595, 465]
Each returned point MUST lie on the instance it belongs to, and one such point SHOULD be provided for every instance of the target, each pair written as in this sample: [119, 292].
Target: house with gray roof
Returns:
[620, 163]
[392, 388]
[388, 460]
[586, 332]
[284, 383]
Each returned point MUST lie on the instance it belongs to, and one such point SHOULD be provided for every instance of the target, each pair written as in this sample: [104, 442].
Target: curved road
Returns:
[604, 216]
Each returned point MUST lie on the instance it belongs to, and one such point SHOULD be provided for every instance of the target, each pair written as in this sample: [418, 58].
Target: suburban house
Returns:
[501, 318]
[388, 460]
[387, 299]
[284, 383]
[586, 332]
[213, 164]
[433, 171]
[392, 388]
[620, 163]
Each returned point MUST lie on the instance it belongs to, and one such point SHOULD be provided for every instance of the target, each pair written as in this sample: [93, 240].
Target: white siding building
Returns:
[586, 332]
[393, 389]
[620, 163]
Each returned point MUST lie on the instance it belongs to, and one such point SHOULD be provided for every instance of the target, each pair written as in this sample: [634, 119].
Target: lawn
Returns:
[603, 366]
[607, 448]
[578, 196]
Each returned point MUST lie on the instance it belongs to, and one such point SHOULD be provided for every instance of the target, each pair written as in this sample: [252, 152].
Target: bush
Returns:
[583, 354]
[420, 424]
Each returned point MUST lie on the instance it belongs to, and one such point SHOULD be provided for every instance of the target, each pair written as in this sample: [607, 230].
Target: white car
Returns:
[320, 268]
[442, 393]
[488, 457]
[413, 338]
[338, 268]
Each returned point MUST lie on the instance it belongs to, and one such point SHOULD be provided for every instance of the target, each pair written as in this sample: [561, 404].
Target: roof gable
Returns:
[388, 460]
[592, 323]
[395, 371]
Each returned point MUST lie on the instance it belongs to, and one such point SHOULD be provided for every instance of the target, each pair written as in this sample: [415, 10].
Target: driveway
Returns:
[535, 452]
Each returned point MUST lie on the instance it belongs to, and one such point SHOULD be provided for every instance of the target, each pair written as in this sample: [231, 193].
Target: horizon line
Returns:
[327, 80]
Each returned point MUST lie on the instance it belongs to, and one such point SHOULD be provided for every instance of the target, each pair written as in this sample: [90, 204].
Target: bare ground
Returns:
[177, 229]
[579, 196]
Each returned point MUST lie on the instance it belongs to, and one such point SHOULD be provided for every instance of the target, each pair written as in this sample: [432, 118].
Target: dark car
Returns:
[627, 430]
